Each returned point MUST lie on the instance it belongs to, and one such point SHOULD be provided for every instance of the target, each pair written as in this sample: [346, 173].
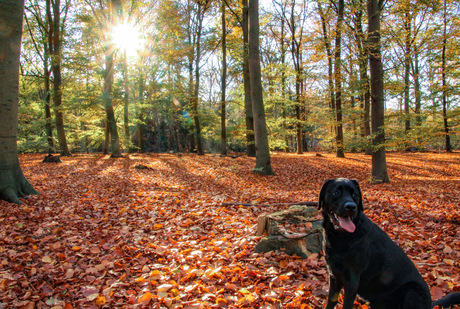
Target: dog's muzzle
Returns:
[344, 223]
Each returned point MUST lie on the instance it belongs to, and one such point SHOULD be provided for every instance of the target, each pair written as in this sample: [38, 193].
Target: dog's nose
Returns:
[350, 206]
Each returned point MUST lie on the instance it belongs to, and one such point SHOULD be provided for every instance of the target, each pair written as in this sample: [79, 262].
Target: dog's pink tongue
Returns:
[347, 224]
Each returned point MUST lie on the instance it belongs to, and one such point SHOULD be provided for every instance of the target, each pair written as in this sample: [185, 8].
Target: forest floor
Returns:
[104, 234]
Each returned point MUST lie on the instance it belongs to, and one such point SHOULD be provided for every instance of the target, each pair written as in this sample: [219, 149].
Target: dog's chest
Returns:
[344, 252]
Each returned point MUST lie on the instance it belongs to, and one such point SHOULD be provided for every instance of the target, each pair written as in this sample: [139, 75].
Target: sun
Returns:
[126, 36]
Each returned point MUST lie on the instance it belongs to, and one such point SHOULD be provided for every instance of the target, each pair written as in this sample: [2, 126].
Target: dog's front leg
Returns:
[350, 292]
[334, 292]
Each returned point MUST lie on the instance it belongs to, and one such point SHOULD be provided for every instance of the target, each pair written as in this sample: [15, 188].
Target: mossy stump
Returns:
[296, 230]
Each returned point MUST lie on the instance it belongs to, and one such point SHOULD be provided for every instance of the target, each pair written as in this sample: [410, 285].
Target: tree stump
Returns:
[296, 230]
[51, 159]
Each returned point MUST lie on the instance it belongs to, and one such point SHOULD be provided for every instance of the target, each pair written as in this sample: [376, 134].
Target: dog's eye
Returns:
[336, 193]
[355, 195]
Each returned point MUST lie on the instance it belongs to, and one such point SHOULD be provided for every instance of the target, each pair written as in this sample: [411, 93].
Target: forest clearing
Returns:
[105, 234]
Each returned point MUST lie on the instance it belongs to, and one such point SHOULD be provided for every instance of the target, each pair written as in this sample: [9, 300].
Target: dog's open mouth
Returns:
[342, 223]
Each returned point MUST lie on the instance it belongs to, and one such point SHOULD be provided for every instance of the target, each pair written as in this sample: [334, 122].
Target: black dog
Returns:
[363, 260]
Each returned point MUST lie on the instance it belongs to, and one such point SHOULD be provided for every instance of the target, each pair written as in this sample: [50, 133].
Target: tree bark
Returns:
[47, 101]
[330, 66]
[110, 115]
[283, 84]
[263, 164]
[338, 81]
[141, 118]
[190, 90]
[108, 85]
[126, 101]
[13, 184]
[407, 63]
[379, 165]
[223, 136]
[57, 59]
[418, 92]
[196, 119]
[296, 57]
[47, 74]
[364, 94]
[249, 117]
[444, 82]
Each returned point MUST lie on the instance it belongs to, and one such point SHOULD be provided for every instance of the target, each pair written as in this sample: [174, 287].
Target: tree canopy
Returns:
[166, 91]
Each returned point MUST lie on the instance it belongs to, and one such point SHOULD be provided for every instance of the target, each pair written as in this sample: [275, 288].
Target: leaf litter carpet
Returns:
[104, 234]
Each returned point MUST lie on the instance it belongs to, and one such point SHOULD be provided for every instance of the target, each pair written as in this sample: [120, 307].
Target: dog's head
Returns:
[341, 200]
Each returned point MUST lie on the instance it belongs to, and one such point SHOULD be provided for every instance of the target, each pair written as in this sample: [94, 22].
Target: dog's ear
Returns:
[360, 204]
[322, 193]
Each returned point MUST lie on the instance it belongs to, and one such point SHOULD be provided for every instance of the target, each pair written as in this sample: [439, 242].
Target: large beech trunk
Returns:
[263, 164]
[379, 165]
[13, 184]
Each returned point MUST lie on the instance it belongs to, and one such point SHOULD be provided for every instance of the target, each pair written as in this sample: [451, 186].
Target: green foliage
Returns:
[160, 89]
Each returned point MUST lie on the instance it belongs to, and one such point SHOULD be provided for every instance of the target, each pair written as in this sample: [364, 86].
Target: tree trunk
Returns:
[330, 66]
[249, 117]
[444, 82]
[379, 165]
[196, 119]
[295, 51]
[126, 101]
[47, 74]
[338, 81]
[407, 62]
[283, 85]
[364, 94]
[57, 59]
[263, 164]
[111, 124]
[190, 91]
[108, 85]
[223, 148]
[13, 184]
[418, 93]
[47, 101]
[141, 118]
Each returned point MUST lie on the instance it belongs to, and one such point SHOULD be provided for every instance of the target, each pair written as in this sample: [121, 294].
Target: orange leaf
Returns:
[100, 301]
[145, 299]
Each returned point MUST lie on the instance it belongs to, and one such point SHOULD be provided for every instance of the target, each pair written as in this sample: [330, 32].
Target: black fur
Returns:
[363, 260]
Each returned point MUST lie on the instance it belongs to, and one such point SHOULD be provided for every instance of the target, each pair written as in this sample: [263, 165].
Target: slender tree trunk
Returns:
[223, 149]
[126, 101]
[190, 91]
[108, 92]
[418, 93]
[196, 119]
[250, 138]
[295, 51]
[263, 164]
[364, 87]
[13, 184]
[298, 115]
[379, 165]
[338, 81]
[444, 82]
[407, 62]
[283, 84]
[330, 65]
[47, 100]
[48, 46]
[57, 59]
[352, 84]
[141, 120]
